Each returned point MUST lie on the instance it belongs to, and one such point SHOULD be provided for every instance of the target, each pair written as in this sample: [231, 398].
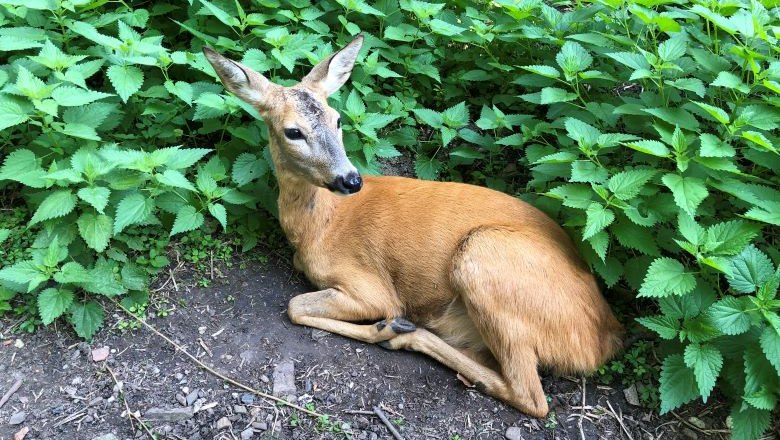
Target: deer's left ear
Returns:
[332, 72]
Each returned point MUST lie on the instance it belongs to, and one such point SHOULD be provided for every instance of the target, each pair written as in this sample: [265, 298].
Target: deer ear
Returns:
[332, 72]
[244, 82]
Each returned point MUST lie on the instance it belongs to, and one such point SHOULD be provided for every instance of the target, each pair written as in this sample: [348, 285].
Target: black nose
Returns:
[349, 184]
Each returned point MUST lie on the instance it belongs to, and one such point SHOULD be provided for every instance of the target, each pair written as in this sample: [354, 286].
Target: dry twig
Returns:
[381, 414]
[10, 392]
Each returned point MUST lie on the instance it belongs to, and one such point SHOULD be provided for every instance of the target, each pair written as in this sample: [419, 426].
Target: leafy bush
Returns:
[647, 127]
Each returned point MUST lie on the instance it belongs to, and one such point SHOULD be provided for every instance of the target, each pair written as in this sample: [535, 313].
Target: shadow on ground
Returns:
[240, 327]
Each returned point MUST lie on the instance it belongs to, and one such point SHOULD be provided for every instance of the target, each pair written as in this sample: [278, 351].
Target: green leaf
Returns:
[427, 168]
[713, 146]
[759, 139]
[52, 303]
[69, 96]
[729, 315]
[218, 212]
[627, 184]
[429, 117]
[551, 95]
[443, 28]
[730, 81]
[587, 171]
[187, 219]
[667, 276]
[548, 71]
[247, 168]
[749, 270]
[132, 209]
[718, 113]
[95, 230]
[4, 234]
[694, 85]
[127, 80]
[97, 196]
[729, 238]
[706, 362]
[573, 58]
[25, 273]
[585, 134]
[672, 49]
[185, 157]
[688, 192]
[456, 116]
[174, 179]
[678, 383]
[11, 114]
[654, 148]
[72, 272]
[86, 318]
[57, 204]
[22, 166]
[770, 344]
[598, 218]
[666, 327]
[749, 423]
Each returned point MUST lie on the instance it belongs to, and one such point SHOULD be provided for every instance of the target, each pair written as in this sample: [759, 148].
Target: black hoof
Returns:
[381, 325]
[401, 325]
[385, 344]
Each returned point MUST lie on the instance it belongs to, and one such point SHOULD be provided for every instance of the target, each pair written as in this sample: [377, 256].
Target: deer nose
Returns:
[349, 184]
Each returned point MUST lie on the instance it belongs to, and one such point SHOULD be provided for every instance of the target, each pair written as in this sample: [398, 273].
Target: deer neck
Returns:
[305, 210]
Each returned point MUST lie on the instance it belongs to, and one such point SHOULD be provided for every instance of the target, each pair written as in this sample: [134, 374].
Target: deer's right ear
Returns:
[238, 78]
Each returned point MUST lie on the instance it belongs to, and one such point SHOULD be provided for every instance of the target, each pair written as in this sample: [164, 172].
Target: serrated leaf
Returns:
[186, 157]
[548, 71]
[749, 423]
[11, 114]
[134, 208]
[667, 276]
[218, 212]
[770, 345]
[69, 96]
[57, 204]
[175, 179]
[678, 383]
[585, 134]
[713, 146]
[749, 270]
[627, 184]
[247, 168]
[52, 303]
[127, 80]
[25, 273]
[187, 219]
[729, 238]
[97, 196]
[551, 95]
[22, 166]
[456, 116]
[429, 117]
[598, 217]
[573, 58]
[706, 362]
[729, 315]
[95, 230]
[72, 272]
[86, 318]
[651, 147]
[666, 326]
[688, 192]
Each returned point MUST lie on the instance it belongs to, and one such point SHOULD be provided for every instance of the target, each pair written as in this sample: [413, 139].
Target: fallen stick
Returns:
[381, 414]
[10, 392]
[217, 373]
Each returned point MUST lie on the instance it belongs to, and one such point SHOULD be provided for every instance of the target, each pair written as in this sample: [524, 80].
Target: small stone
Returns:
[106, 437]
[247, 434]
[17, 418]
[284, 379]
[169, 414]
[76, 381]
[261, 426]
[697, 422]
[88, 419]
[632, 397]
[181, 400]
[264, 378]
[223, 423]
[100, 354]
[192, 397]
[18, 343]
[514, 433]
[239, 409]
[247, 399]
[318, 334]
[691, 434]
[179, 376]
[24, 400]
[70, 391]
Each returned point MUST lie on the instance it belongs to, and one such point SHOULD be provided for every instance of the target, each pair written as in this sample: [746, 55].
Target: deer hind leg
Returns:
[329, 310]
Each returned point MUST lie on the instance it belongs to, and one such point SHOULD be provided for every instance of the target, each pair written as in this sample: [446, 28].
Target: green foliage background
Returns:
[647, 127]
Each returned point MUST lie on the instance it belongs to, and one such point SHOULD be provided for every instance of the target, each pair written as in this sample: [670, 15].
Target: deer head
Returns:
[304, 131]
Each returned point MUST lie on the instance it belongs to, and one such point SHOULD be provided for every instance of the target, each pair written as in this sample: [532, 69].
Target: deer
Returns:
[478, 280]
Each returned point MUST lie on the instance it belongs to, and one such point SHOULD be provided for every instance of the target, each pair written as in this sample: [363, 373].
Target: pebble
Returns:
[697, 422]
[247, 434]
[284, 379]
[100, 354]
[262, 426]
[192, 397]
[88, 419]
[247, 399]
[264, 378]
[179, 376]
[109, 436]
[691, 434]
[76, 381]
[239, 409]
[17, 418]
[514, 433]
[169, 414]
[181, 400]
[223, 423]
[631, 395]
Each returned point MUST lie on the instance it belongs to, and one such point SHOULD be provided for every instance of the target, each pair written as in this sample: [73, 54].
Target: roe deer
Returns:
[481, 281]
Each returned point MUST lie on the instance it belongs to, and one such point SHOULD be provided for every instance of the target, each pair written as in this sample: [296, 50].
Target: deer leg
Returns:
[329, 310]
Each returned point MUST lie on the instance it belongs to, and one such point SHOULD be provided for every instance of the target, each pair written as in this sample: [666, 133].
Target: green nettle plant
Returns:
[647, 127]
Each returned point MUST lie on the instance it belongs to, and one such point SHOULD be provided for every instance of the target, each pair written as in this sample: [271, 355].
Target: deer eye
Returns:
[338, 123]
[293, 134]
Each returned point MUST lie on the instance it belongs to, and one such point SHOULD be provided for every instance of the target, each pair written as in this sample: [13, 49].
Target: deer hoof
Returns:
[401, 325]
[386, 345]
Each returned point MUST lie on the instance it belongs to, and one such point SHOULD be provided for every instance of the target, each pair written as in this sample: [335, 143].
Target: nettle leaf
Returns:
[694, 85]
[218, 212]
[175, 179]
[730, 315]
[11, 114]
[69, 96]
[573, 58]
[627, 184]
[706, 362]
[548, 71]
[247, 168]
[770, 345]
[26, 273]
[749, 270]
[427, 168]
[429, 117]
[185, 157]
[132, 209]
[678, 383]
[187, 219]
[688, 192]
[667, 276]
[651, 147]
[672, 49]
[551, 95]
[86, 318]
[585, 134]
[666, 326]
[730, 238]
[749, 423]
[22, 166]
[456, 116]
[97, 196]
[127, 80]
[713, 146]
[598, 217]
[57, 204]
[95, 230]
[52, 303]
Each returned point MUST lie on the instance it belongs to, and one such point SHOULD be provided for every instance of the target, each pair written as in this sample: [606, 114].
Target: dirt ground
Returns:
[239, 326]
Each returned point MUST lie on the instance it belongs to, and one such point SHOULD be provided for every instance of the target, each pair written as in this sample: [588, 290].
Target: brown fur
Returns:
[495, 287]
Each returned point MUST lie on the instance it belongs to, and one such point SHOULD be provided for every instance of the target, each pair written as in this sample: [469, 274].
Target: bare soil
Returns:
[239, 326]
